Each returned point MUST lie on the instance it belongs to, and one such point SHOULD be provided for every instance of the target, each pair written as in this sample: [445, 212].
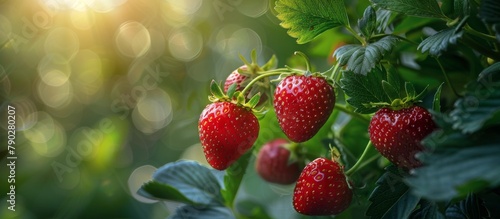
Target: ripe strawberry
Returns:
[397, 134]
[226, 132]
[272, 163]
[322, 189]
[303, 105]
[236, 77]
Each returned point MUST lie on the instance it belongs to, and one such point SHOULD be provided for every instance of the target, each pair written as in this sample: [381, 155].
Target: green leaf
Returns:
[391, 92]
[185, 181]
[233, 177]
[419, 8]
[461, 8]
[457, 165]
[363, 90]
[157, 190]
[427, 210]
[307, 19]
[480, 106]
[362, 60]
[490, 11]
[440, 41]
[471, 207]
[193, 212]
[391, 198]
[436, 102]
[383, 17]
[368, 23]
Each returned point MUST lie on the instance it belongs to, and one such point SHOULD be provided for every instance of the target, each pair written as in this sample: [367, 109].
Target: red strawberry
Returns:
[397, 134]
[272, 163]
[236, 77]
[226, 131]
[322, 189]
[303, 105]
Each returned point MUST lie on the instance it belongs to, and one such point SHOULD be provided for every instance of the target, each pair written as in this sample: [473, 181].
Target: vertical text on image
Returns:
[11, 157]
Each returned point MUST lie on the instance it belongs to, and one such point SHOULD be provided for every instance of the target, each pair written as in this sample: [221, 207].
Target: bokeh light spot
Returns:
[87, 77]
[254, 8]
[82, 20]
[153, 112]
[5, 30]
[185, 44]
[133, 39]
[55, 96]
[185, 7]
[62, 41]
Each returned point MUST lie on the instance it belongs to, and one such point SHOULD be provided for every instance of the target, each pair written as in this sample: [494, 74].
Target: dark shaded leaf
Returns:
[391, 198]
[490, 11]
[419, 8]
[307, 19]
[451, 172]
[471, 207]
[480, 106]
[440, 41]
[192, 212]
[427, 210]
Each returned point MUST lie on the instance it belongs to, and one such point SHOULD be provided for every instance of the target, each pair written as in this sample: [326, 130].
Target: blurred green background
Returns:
[106, 91]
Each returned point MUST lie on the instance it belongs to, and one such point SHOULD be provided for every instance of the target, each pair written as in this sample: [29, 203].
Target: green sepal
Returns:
[216, 90]
[420, 95]
[410, 90]
[271, 63]
[436, 103]
[231, 90]
[253, 101]
[390, 90]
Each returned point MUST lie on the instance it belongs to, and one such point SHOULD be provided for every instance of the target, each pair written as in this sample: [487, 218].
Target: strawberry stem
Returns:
[344, 109]
[253, 81]
[308, 63]
[447, 79]
[361, 161]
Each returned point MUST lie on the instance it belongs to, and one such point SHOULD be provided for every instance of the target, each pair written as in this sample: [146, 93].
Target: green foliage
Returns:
[391, 198]
[307, 19]
[420, 8]
[368, 23]
[479, 106]
[362, 90]
[457, 165]
[401, 47]
[185, 181]
[232, 178]
[440, 41]
[362, 59]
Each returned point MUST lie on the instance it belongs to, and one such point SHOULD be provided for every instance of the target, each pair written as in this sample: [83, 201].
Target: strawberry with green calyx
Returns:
[322, 188]
[303, 103]
[276, 162]
[398, 127]
[227, 127]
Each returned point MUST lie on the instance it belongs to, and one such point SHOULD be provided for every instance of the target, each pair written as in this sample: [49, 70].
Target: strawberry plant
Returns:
[408, 107]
